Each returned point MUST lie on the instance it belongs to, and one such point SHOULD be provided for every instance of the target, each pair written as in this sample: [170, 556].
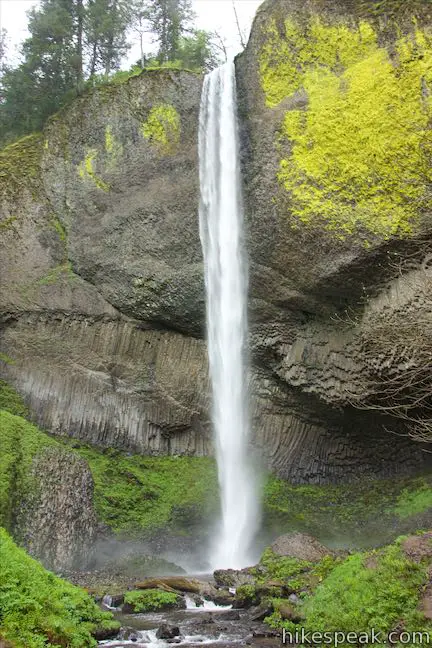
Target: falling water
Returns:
[221, 229]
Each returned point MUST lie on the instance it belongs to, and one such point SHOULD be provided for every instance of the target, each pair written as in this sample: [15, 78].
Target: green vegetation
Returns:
[10, 400]
[74, 45]
[414, 500]
[7, 223]
[369, 591]
[20, 165]
[112, 146]
[55, 274]
[20, 441]
[86, 170]
[360, 151]
[364, 512]
[136, 495]
[38, 609]
[162, 128]
[379, 589]
[151, 600]
[280, 567]
[59, 228]
[246, 595]
[6, 359]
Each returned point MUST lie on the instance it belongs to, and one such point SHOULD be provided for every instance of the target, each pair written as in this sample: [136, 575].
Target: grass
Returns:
[39, 609]
[360, 594]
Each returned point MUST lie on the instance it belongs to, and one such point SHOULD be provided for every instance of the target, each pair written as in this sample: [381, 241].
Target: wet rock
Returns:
[228, 615]
[260, 612]
[101, 634]
[172, 584]
[232, 577]
[128, 634]
[300, 546]
[222, 597]
[206, 619]
[197, 599]
[167, 631]
[113, 600]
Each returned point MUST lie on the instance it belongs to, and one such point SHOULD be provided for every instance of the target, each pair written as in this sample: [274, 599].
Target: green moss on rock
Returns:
[358, 514]
[7, 223]
[20, 165]
[151, 600]
[380, 589]
[20, 441]
[137, 495]
[59, 228]
[10, 400]
[417, 499]
[40, 609]
[359, 160]
[162, 128]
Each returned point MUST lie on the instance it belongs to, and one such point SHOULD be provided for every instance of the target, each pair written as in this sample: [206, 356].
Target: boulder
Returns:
[232, 577]
[290, 613]
[418, 548]
[58, 520]
[300, 546]
[167, 631]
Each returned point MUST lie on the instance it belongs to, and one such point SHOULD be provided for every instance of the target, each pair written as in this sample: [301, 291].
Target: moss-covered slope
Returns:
[134, 496]
[384, 591]
[39, 609]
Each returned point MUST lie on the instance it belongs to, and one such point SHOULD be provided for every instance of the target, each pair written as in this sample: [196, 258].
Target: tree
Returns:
[68, 39]
[197, 51]
[51, 68]
[106, 22]
[167, 20]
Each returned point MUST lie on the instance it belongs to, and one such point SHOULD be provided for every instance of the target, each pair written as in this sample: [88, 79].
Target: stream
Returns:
[199, 624]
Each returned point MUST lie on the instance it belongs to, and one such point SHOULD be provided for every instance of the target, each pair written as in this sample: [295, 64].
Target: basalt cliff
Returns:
[102, 294]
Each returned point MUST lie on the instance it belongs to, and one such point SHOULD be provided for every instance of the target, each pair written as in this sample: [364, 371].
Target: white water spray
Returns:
[221, 227]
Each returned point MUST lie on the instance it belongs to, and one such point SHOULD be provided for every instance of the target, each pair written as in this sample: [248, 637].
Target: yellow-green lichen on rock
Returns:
[113, 147]
[360, 151]
[86, 170]
[162, 128]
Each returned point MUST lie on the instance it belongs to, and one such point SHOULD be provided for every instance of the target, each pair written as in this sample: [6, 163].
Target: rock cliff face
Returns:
[334, 100]
[59, 521]
[102, 295]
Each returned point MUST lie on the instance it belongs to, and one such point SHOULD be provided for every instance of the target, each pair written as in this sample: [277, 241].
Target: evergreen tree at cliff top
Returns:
[76, 42]
[168, 21]
[68, 40]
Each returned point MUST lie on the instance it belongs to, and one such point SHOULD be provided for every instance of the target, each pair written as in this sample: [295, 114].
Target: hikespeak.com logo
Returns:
[339, 638]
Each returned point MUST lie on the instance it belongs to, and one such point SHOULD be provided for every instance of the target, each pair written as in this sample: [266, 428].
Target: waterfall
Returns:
[221, 231]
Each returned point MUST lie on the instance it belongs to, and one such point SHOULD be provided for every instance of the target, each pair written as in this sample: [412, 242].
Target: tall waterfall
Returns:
[221, 231]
